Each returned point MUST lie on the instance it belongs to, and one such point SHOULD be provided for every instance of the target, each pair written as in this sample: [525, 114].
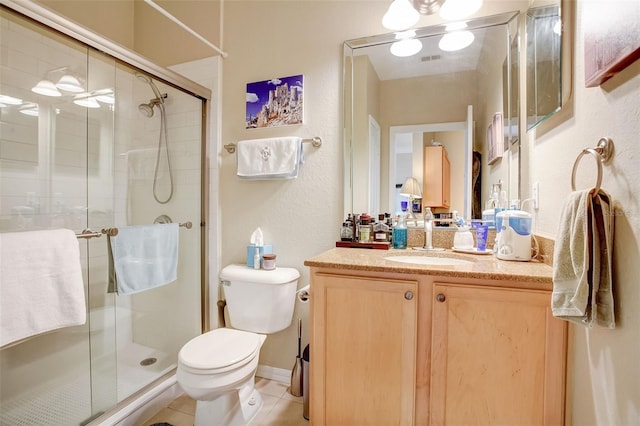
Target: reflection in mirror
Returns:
[544, 57]
[398, 108]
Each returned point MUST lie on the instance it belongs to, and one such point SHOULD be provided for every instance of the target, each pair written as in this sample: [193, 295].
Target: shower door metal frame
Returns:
[51, 20]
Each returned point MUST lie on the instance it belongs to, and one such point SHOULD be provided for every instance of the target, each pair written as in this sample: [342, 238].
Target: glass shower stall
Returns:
[89, 142]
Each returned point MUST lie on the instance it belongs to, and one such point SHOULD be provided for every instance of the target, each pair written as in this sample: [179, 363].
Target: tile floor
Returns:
[280, 408]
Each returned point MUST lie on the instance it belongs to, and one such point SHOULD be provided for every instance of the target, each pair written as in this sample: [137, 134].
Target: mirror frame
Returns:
[565, 81]
[350, 46]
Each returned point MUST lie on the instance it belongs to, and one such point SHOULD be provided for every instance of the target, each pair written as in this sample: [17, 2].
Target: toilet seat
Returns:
[218, 351]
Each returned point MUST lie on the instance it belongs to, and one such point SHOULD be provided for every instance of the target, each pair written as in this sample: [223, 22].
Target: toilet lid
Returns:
[218, 348]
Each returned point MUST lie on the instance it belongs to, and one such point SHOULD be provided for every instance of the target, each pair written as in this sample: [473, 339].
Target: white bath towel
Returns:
[582, 276]
[273, 158]
[143, 257]
[41, 287]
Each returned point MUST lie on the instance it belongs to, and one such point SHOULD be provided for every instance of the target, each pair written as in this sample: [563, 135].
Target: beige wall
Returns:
[606, 375]
[110, 18]
[301, 217]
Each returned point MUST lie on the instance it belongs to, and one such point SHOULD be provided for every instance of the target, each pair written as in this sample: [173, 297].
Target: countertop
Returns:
[483, 266]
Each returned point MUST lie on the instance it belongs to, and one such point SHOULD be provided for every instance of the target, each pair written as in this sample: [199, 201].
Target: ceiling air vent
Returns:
[430, 58]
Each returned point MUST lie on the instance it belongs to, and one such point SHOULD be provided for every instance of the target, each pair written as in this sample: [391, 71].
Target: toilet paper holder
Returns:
[303, 294]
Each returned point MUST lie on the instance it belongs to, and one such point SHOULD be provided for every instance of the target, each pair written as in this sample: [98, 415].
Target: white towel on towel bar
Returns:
[143, 257]
[271, 158]
[41, 287]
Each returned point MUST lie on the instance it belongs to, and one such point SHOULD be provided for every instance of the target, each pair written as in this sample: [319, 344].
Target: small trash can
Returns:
[305, 383]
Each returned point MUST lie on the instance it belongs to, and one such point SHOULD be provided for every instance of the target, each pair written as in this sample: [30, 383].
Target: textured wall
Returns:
[606, 376]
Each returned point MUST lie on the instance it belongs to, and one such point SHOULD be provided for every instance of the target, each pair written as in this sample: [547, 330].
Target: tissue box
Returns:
[251, 251]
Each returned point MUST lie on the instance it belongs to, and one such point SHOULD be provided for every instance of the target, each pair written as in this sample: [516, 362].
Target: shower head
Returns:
[144, 78]
[147, 109]
[147, 79]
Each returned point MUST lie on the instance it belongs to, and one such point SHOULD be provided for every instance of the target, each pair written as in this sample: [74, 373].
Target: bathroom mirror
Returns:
[396, 106]
[548, 59]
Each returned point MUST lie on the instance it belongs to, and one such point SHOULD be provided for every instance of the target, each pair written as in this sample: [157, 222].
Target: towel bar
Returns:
[316, 141]
[112, 232]
[602, 153]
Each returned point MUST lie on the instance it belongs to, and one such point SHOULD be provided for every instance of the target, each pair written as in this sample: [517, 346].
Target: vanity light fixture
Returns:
[87, 101]
[10, 100]
[456, 40]
[69, 83]
[29, 109]
[454, 10]
[105, 96]
[400, 16]
[47, 88]
[406, 45]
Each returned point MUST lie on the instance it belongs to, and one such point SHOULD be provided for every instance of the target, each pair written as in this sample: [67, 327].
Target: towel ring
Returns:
[602, 154]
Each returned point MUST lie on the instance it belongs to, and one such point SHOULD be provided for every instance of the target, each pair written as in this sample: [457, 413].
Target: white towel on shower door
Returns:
[271, 158]
[143, 257]
[41, 287]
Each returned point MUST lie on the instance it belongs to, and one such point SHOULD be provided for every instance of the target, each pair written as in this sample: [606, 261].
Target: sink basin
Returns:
[430, 260]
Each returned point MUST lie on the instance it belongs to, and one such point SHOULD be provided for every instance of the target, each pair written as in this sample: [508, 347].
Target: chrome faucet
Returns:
[428, 232]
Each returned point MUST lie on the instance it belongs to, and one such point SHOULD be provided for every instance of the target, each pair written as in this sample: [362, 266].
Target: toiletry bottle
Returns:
[381, 230]
[366, 229]
[390, 226]
[256, 258]
[346, 232]
[400, 233]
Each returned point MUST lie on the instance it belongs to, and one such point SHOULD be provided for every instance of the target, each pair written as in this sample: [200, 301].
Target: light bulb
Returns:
[47, 88]
[406, 47]
[453, 10]
[457, 40]
[400, 16]
[70, 84]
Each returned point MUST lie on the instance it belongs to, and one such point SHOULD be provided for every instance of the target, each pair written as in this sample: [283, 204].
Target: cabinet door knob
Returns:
[408, 295]
[440, 297]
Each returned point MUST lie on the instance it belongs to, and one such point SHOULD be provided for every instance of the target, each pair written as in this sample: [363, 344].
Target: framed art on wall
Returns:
[275, 102]
[495, 139]
[610, 44]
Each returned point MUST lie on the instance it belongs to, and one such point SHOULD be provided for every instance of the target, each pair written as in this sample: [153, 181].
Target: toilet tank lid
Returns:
[273, 276]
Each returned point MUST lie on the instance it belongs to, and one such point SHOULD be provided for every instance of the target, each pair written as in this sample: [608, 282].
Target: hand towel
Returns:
[273, 158]
[143, 257]
[582, 279]
[41, 287]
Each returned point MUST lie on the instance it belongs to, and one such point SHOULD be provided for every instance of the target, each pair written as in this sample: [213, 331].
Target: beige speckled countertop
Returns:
[482, 266]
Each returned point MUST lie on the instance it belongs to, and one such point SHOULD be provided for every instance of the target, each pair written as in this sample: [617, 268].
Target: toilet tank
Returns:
[259, 300]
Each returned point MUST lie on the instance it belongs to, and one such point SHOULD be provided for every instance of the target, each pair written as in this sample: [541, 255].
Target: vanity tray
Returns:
[471, 251]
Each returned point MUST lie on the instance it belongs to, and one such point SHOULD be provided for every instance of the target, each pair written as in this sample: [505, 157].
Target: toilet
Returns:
[218, 368]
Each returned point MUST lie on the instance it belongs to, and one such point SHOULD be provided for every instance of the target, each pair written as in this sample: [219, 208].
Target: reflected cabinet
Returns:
[437, 177]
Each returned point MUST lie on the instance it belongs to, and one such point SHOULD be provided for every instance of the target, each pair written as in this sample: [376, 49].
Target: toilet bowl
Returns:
[218, 368]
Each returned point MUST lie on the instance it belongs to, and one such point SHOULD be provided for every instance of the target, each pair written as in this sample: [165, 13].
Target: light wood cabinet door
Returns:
[436, 178]
[363, 351]
[498, 357]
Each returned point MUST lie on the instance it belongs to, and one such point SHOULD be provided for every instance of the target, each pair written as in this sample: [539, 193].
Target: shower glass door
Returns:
[88, 158]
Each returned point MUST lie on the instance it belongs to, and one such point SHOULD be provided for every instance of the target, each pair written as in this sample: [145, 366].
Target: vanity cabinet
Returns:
[436, 178]
[497, 357]
[363, 350]
[391, 348]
